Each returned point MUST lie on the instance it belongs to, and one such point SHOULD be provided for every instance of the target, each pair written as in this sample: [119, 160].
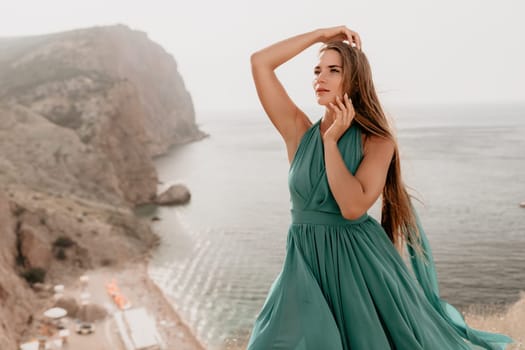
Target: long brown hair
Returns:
[397, 218]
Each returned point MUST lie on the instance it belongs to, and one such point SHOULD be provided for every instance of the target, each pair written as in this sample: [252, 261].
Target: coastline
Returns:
[109, 255]
[176, 332]
[135, 283]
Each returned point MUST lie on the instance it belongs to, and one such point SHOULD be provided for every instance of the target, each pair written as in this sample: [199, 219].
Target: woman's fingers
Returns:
[356, 39]
[353, 37]
[340, 104]
[336, 109]
[350, 106]
[343, 33]
[346, 108]
[343, 115]
[342, 107]
[339, 115]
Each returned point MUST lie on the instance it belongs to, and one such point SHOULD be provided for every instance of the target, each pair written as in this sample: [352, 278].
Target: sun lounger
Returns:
[32, 345]
[138, 330]
[123, 331]
[142, 329]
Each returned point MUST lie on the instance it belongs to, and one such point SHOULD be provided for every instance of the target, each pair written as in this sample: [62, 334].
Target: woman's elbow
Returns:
[261, 60]
[255, 58]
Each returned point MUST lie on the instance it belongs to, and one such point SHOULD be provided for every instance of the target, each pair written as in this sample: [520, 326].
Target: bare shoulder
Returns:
[378, 146]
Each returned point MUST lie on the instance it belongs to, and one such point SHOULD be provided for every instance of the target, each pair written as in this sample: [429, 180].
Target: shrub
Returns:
[63, 242]
[60, 254]
[34, 275]
[107, 262]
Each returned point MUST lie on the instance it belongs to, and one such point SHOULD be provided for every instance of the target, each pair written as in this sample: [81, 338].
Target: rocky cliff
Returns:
[16, 299]
[82, 113]
[89, 108]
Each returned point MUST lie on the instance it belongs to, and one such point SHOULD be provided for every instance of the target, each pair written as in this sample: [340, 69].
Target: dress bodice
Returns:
[307, 180]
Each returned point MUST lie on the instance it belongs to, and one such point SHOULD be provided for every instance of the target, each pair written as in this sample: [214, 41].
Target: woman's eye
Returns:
[334, 70]
[316, 72]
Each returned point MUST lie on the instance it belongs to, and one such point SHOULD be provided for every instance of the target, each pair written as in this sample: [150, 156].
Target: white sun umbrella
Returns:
[55, 313]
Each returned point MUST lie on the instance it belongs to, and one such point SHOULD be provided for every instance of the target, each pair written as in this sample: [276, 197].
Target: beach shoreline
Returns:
[109, 243]
[140, 290]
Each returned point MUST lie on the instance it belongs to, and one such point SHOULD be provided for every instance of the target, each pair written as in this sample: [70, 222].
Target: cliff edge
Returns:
[82, 114]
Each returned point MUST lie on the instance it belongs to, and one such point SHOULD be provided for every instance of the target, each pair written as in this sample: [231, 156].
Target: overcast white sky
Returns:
[421, 51]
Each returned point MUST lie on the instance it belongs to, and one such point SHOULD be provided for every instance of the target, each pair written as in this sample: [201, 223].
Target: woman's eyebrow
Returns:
[330, 66]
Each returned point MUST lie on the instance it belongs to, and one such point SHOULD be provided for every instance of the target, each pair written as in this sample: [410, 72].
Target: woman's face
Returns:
[328, 77]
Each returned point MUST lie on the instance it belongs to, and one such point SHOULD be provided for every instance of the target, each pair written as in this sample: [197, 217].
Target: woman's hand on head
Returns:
[344, 114]
[341, 33]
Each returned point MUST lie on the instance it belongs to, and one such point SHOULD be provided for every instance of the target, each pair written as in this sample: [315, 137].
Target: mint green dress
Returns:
[343, 284]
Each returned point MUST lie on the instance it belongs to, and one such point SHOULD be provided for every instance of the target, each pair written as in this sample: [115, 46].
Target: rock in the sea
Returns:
[176, 194]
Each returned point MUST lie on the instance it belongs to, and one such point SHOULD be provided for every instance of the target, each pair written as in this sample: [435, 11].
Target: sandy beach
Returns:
[141, 291]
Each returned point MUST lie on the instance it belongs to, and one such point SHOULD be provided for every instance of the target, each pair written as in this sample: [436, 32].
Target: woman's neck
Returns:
[328, 117]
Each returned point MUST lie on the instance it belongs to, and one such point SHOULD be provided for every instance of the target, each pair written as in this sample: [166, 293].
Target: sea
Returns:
[220, 253]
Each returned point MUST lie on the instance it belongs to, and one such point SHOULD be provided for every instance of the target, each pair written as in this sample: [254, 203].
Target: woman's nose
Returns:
[321, 77]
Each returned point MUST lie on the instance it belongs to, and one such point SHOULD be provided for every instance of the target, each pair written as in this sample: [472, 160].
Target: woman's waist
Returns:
[315, 217]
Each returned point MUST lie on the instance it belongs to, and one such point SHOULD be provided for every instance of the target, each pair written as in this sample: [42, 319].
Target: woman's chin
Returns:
[322, 102]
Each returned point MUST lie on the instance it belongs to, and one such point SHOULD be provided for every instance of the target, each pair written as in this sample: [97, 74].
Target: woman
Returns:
[344, 284]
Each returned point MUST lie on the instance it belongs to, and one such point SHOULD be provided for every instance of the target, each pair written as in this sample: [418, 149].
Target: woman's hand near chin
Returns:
[344, 114]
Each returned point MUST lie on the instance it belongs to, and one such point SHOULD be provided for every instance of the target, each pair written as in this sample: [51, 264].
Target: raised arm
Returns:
[288, 119]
